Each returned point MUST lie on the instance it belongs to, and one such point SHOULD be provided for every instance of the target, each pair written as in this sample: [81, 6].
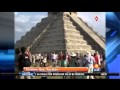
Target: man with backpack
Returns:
[24, 61]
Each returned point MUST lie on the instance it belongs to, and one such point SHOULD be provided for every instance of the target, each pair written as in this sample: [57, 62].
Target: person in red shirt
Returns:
[67, 56]
[60, 56]
[97, 58]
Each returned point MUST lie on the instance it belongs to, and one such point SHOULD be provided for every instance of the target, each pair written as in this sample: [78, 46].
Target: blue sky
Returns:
[24, 21]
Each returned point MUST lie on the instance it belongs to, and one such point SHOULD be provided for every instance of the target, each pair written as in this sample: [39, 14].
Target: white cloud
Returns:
[22, 18]
[36, 18]
[24, 23]
[19, 30]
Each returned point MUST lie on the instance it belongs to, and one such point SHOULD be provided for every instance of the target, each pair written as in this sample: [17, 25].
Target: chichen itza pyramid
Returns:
[62, 31]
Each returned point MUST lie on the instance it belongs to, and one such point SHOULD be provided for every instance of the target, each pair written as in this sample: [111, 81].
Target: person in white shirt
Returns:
[44, 61]
[90, 64]
[33, 58]
[54, 59]
[99, 59]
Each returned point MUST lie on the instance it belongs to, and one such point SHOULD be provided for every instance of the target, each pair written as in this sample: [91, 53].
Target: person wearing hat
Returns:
[72, 62]
[73, 59]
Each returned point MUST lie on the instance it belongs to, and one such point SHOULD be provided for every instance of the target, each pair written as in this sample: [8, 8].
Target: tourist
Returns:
[39, 57]
[85, 61]
[29, 53]
[60, 57]
[97, 58]
[45, 60]
[24, 61]
[54, 59]
[103, 63]
[80, 62]
[67, 57]
[72, 62]
[90, 64]
[77, 55]
[41, 60]
[64, 63]
[77, 58]
[17, 56]
[36, 60]
[33, 58]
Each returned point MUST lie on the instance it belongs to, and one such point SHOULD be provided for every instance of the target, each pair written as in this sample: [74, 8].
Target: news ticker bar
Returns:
[60, 74]
[67, 73]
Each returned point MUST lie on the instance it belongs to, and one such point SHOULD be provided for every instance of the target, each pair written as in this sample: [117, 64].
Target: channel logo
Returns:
[96, 67]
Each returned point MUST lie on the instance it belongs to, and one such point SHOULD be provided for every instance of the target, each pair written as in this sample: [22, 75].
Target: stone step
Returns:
[76, 50]
[56, 25]
[78, 46]
[69, 26]
[87, 47]
[50, 45]
[53, 35]
[71, 36]
[58, 21]
[45, 38]
[92, 52]
[72, 33]
[68, 22]
[47, 51]
[69, 41]
[27, 40]
[76, 41]
[51, 39]
[55, 30]
[66, 17]
[72, 30]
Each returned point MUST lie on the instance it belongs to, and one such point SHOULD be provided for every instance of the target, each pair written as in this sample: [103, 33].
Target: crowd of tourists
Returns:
[25, 59]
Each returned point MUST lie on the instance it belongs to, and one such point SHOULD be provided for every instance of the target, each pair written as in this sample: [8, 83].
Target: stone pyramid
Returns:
[62, 31]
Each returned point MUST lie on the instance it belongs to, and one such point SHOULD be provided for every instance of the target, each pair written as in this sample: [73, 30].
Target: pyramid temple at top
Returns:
[62, 31]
